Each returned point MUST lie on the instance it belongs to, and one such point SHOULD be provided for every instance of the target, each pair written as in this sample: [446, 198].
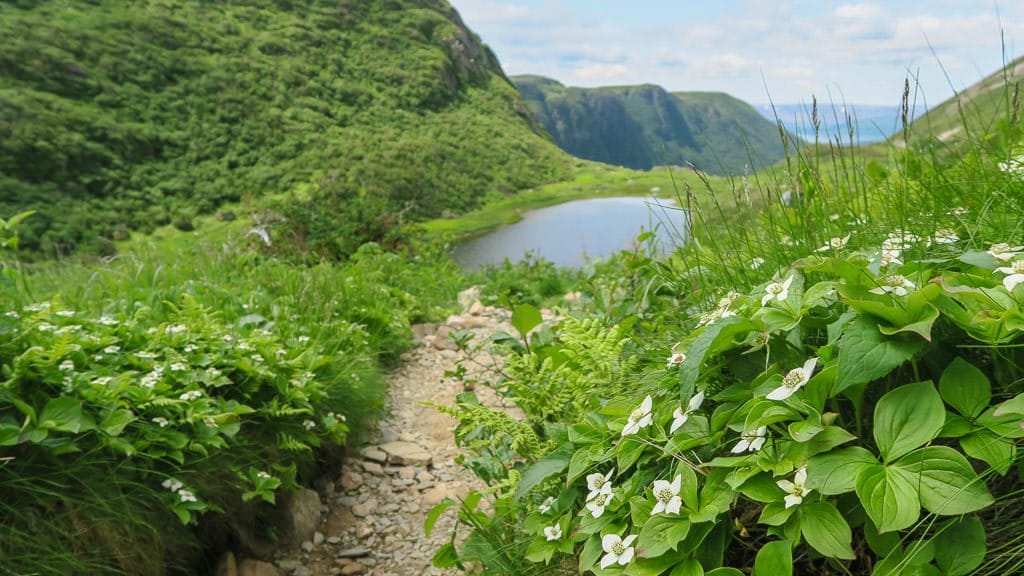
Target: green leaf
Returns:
[999, 453]
[551, 464]
[688, 567]
[62, 414]
[889, 496]
[965, 388]
[960, 547]
[947, 483]
[865, 354]
[660, 534]
[435, 513]
[836, 472]
[446, 556]
[907, 418]
[649, 566]
[826, 530]
[525, 318]
[1014, 405]
[725, 572]
[713, 336]
[540, 550]
[775, 514]
[591, 553]
[116, 421]
[774, 559]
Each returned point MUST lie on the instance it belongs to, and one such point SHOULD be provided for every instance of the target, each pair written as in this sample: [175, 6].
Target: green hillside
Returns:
[119, 116]
[644, 126]
[976, 110]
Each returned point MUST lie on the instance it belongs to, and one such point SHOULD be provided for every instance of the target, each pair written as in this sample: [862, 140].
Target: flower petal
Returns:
[696, 401]
[780, 393]
[740, 446]
[786, 485]
[793, 500]
[626, 557]
[674, 505]
[608, 560]
[659, 507]
[676, 484]
[628, 541]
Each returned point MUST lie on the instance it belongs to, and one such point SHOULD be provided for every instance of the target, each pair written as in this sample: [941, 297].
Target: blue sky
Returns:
[854, 52]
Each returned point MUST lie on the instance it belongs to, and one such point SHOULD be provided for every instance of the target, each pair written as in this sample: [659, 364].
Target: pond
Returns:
[571, 233]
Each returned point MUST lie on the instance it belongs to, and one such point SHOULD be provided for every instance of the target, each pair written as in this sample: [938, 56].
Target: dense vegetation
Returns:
[645, 126]
[351, 116]
[834, 388]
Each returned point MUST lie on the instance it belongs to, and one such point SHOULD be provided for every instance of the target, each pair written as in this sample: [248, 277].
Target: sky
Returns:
[756, 50]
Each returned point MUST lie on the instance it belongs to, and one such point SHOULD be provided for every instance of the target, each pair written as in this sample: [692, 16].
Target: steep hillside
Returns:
[117, 116]
[643, 126]
[975, 110]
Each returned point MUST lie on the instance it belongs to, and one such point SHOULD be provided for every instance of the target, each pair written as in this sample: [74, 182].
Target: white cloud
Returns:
[860, 11]
[600, 72]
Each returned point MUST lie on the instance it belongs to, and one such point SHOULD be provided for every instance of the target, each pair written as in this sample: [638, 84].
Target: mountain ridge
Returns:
[644, 125]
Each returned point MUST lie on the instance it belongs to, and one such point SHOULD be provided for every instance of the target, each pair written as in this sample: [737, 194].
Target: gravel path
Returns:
[371, 520]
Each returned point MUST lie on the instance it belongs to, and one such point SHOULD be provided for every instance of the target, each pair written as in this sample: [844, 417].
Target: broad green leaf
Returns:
[689, 488]
[865, 354]
[775, 514]
[9, 432]
[580, 463]
[965, 388]
[889, 496]
[762, 488]
[907, 418]
[591, 553]
[525, 318]
[713, 336]
[660, 534]
[804, 430]
[116, 421]
[881, 544]
[826, 530]
[1014, 405]
[836, 472]
[689, 567]
[551, 464]
[774, 559]
[649, 566]
[998, 452]
[435, 513]
[725, 572]
[628, 452]
[446, 556]
[947, 483]
[62, 414]
[541, 550]
[914, 561]
[960, 547]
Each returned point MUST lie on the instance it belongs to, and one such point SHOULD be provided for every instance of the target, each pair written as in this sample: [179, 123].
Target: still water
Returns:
[569, 234]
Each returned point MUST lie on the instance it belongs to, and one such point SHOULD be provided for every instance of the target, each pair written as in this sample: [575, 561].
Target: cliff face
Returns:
[116, 116]
[644, 126]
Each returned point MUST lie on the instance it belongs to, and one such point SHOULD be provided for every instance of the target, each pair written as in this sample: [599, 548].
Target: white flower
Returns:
[795, 490]
[619, 551]
[172, 484]
[890, 257]
[152, 379]
[751, 441]
[599, 483]
[675, 359]
[178, 367]
[263, 475]
[186, 495]
[308, 424]
[895, 284]
[67, 329]
[598, 503]
[776, 290]
[553, 532]
[107, 321]
[834, 244]
[756, 262]
[173, 329]
[959, 211]
[112, 349]
[257, 358]
[945, 236]
[12, 314]
[65, 313]
[545, 507]
[213, 371]
[190, 347]
[302, 339]
[243, 345]
[793, 381]
[38, 307]
[1004, 251]
[639, 418]
[67, 365]
[146, 354]
[102, 381]
[667, 494]
[1016, 274]
[161, 421]
[680, 416]
[191, 395]
[45, 327]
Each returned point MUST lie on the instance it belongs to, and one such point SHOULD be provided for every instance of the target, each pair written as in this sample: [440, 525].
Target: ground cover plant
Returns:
[834, 388]
[168, 399]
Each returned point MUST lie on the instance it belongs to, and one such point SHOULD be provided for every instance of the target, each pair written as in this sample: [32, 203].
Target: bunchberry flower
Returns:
[1015, 274]
[680, 416]
[795, 490]
[793, 381]
[639, 418]
[667, 496]
[777, 291]
[618, 551]
[893, 284]
[751, 441]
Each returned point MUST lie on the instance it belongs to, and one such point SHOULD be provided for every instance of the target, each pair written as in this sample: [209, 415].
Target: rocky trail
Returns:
[369, 520]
